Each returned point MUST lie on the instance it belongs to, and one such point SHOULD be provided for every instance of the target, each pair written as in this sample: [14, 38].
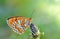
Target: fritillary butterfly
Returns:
[19, 24]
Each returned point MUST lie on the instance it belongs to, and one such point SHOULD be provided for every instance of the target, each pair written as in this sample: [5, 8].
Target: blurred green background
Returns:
[46, 17]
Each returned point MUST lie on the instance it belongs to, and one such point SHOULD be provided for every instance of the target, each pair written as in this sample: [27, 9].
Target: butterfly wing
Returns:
[18, 24]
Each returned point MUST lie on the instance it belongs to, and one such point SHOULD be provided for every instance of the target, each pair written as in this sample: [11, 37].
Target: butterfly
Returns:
[19, 24]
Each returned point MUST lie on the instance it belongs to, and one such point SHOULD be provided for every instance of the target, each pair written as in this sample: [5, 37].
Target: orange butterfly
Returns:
[19, 24]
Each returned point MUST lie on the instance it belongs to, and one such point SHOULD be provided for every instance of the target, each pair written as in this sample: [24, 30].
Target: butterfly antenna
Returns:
[32, 13]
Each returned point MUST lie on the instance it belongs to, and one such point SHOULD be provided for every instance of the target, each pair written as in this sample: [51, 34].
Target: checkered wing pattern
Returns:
[18, 24]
